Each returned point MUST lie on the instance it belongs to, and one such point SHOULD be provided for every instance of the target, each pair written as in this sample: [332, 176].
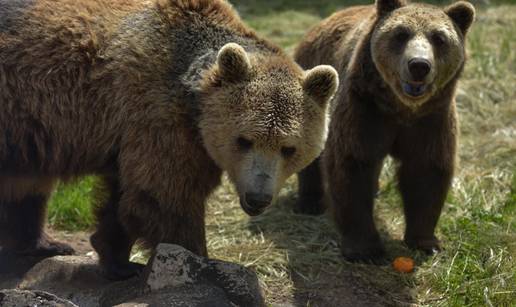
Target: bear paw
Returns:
[122, 271]
[429, 246]
[370, 251]
[43, 248]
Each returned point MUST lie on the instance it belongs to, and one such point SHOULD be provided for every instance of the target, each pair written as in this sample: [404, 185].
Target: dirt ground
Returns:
[13, 267]
[343, 289]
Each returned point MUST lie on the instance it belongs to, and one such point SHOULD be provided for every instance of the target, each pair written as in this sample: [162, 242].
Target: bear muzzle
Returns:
[413, 89]
[255, 203]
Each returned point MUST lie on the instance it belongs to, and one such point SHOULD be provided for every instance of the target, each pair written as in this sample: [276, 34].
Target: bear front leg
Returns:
[166, 177]
[427, 154]
[111, 240]
[179, 222]
[352, 187]
[188, 230]
[23, 204]
[311, 190]
[423, 189]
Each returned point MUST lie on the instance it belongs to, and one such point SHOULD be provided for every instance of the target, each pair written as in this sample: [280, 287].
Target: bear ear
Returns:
[233, 63]
[321, 83]
[384, 7]
[462, 13]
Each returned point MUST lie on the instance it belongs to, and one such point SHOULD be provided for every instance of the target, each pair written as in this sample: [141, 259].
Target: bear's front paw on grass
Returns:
[363, 251]
[429, 246]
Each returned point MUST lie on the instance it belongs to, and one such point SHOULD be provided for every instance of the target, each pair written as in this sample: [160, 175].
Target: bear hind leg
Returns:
[23, 204]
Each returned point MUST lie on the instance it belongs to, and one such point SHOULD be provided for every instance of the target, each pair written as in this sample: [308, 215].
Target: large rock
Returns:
[78, 279]
[24, 298]
[13, 268]
[174, 266]
[198, 295]
[174, 277]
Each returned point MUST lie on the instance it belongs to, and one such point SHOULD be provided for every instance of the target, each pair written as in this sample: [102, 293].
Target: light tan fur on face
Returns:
[392, 62]
[276, 105]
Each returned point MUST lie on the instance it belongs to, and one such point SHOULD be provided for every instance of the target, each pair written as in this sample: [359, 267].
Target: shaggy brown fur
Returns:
[373, 117]
[150, 96]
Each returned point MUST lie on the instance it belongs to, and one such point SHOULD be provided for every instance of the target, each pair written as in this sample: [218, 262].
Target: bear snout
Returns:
[419, 68]
[255, 203]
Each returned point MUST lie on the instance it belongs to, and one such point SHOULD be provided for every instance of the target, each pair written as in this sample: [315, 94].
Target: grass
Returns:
[70, 207]
[297, 257]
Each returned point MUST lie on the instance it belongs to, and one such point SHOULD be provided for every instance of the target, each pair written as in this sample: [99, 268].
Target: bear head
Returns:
[263, 119]
[418, 49]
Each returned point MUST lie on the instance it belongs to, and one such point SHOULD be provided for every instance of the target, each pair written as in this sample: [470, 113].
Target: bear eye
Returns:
[244, 143]
[401, 35]
[288, 152]
[438, 39]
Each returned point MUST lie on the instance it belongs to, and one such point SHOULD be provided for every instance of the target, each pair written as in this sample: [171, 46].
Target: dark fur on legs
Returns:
[423, 205]
[111, 240]
[22, 221]
[427, 157]
[356, 184]
[311, 190]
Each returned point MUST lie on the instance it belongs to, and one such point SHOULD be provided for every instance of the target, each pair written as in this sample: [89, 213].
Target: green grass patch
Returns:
[71, 205]
[478, 266]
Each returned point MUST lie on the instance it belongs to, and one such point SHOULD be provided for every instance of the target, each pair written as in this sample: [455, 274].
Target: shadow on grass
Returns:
[320, 276]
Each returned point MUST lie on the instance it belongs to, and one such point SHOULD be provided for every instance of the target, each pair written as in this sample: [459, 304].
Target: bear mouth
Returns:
[414, 89]
[251, 211]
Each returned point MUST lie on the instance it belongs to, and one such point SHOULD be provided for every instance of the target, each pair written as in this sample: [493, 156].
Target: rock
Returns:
[13, 268]
[78, 279]
[174, 266]
[24, 298]
[174, 277]
[199, 295]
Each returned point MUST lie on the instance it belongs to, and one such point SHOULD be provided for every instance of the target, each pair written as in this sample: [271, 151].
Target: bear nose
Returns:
[419, 68]
[258, 200]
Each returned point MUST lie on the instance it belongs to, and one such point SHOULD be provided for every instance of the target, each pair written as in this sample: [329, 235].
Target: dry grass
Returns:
[297, 257]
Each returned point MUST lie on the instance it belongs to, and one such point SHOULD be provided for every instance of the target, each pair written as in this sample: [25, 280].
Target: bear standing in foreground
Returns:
[399, 65]
[155, 97]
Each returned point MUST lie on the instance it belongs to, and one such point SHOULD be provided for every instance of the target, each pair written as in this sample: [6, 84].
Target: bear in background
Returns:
[157, 98]
[399, 65]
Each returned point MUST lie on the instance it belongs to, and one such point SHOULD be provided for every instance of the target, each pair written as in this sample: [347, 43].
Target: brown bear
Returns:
[399, 65]
[157, 98]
